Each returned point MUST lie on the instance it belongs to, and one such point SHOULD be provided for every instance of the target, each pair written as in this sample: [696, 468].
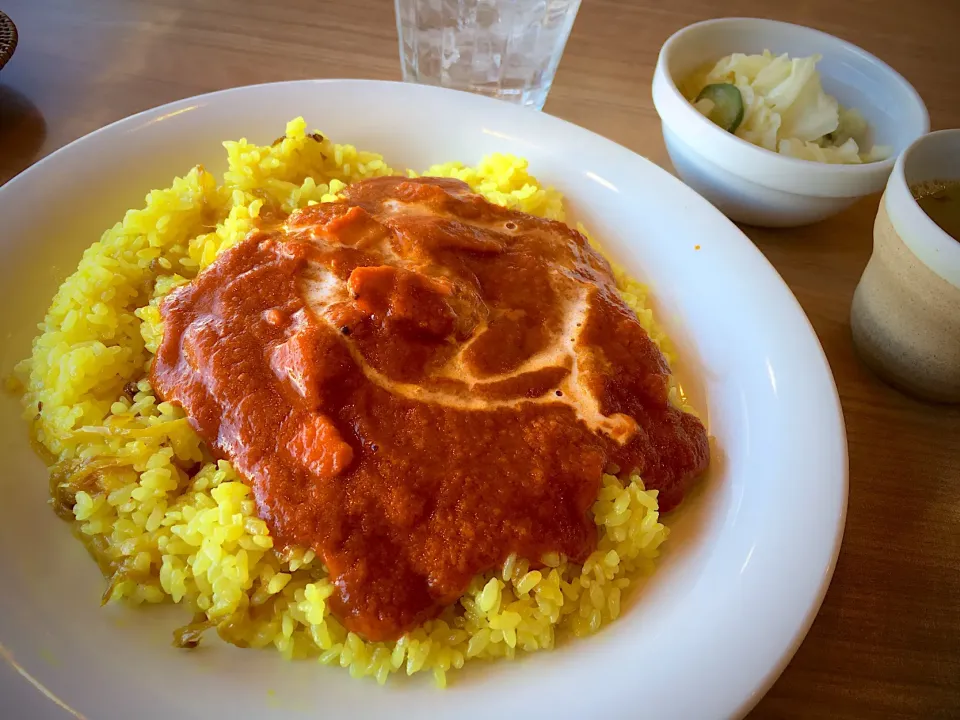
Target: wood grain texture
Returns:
[887, 641]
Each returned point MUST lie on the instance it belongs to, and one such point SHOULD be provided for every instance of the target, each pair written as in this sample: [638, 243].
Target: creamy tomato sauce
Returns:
[417, 383]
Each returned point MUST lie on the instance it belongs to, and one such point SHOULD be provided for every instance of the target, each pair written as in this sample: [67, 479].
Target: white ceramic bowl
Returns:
[750, 553]
[756, 186]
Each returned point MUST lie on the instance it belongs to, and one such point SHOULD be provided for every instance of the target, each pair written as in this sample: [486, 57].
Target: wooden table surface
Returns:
[887, 642]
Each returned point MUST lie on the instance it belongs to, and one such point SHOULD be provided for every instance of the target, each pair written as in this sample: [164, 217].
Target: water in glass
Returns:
[507, 49]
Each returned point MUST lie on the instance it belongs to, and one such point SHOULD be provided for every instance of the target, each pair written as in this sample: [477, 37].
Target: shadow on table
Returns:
[22, 132]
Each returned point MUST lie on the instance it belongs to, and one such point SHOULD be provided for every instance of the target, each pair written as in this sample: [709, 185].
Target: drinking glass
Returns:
[507, 49]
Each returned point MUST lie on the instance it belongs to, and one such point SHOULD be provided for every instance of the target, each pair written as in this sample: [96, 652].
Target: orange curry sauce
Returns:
[417, 383]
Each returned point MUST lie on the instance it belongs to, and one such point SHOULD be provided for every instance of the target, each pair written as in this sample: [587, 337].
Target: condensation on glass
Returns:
[501, 48]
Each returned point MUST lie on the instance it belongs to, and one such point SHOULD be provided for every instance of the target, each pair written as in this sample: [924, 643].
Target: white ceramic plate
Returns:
[752, 551]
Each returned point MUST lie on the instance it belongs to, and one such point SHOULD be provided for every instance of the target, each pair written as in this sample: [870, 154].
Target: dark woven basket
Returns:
[8, 38]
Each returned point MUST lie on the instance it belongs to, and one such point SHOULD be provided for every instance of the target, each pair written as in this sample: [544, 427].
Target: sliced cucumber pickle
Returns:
[727, 105]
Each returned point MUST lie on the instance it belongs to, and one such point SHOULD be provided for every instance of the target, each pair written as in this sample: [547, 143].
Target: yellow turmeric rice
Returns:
[168, 523]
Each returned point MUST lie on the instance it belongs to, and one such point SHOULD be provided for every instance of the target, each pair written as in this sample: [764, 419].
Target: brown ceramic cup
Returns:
[906, 310]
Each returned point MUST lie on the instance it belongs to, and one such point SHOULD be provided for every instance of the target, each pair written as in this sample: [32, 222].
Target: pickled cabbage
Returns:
[786, 109]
